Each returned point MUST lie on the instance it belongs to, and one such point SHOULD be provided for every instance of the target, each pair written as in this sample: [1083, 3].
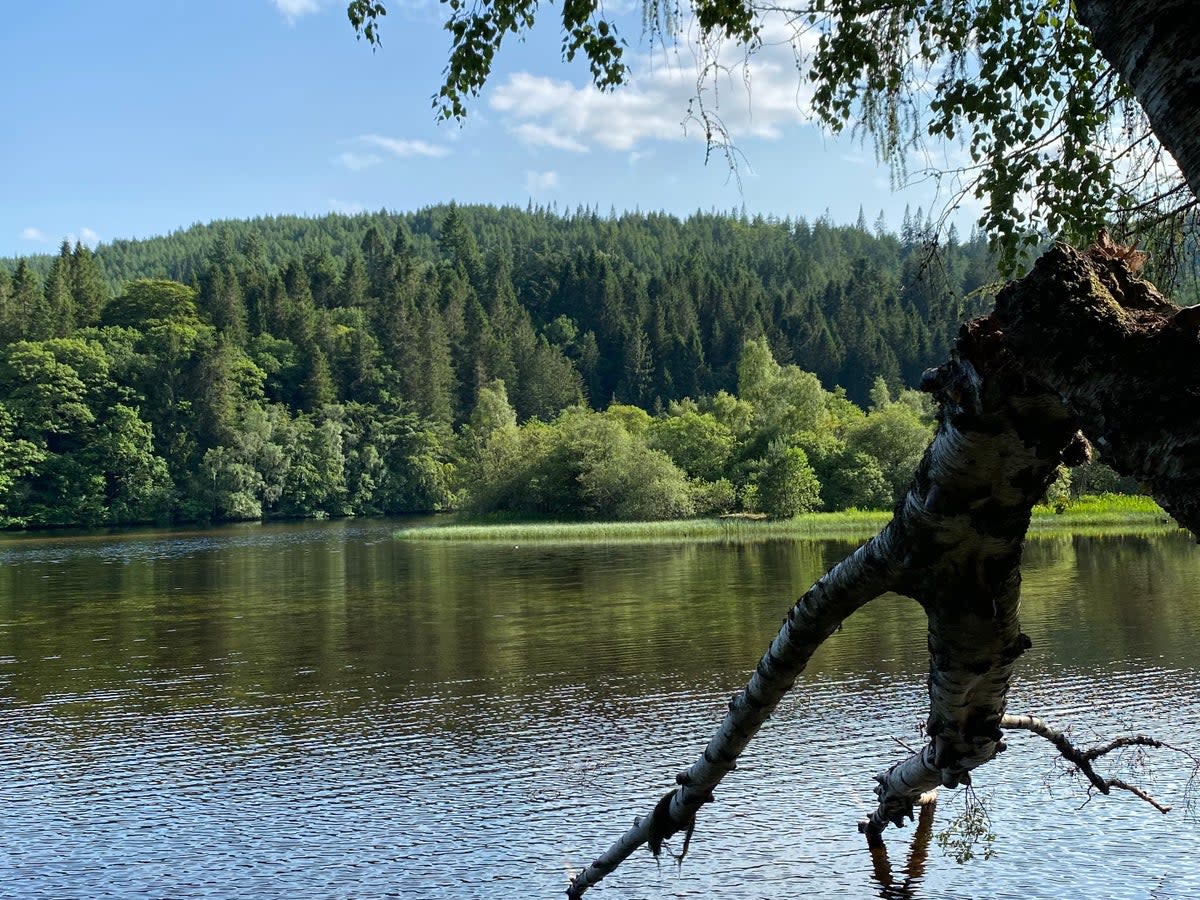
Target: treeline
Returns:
[646, 308]
[294, 367]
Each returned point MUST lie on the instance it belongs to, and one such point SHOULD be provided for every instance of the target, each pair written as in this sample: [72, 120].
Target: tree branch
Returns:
[1083, 759]
[867, 573]
[1080, 341]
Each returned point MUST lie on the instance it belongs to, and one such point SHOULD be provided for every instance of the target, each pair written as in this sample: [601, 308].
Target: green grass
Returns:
[851, 523]
[1088, 514]
[1103, 509]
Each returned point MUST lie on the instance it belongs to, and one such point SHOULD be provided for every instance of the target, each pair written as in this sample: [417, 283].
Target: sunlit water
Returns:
[317, 710]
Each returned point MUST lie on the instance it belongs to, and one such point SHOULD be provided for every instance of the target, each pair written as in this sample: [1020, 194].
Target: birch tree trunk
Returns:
[1079, 341]
[1155, 46]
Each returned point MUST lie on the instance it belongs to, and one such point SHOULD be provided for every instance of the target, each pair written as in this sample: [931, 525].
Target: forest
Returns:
[497, 360]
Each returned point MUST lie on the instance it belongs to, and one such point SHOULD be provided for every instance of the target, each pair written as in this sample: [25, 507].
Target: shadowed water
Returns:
[319, 711]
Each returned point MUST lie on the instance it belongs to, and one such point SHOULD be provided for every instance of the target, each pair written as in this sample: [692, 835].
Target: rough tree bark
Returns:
[1079, 343]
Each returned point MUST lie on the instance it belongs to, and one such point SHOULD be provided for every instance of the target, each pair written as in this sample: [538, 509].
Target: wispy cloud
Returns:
[356, 162]
[546, 136]
[756, 97]
[34, 234]
[293, 9]
[402, 146]
[540, 182]
[373, 149]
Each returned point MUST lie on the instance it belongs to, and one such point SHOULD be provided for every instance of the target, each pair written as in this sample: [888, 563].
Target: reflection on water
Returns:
[318, 710]
[907, 885]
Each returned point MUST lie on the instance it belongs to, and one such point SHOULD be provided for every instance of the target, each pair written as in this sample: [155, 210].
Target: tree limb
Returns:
[1080, 341]
[1082, 759]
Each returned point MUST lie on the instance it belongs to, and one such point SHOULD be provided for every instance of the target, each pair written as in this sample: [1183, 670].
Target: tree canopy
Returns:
[1012, 98]
[519, 362]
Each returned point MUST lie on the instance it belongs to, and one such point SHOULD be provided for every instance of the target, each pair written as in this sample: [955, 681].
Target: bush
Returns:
[786, 484]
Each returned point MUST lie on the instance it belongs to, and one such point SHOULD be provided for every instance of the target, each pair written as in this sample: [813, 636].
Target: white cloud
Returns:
[34, 234]
[755, 97]
[402, 146]
[544, 136]
[293, 9]
[540, 182]
[88, 236]
[356, 162]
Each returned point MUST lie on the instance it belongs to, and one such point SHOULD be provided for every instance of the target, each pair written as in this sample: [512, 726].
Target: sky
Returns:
[131, 119]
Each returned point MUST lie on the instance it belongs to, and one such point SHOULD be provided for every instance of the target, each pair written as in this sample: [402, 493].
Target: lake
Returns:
[318, 710]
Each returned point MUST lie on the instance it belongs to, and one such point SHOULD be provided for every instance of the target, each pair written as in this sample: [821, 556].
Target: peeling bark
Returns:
[1065, 346]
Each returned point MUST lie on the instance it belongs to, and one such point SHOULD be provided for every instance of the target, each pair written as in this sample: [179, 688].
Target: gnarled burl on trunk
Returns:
[1081, 350]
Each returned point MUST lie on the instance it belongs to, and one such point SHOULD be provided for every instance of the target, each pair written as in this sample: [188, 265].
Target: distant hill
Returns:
[647, 307]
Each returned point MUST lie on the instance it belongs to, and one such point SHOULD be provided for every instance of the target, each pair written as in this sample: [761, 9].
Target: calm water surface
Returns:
[319, 711]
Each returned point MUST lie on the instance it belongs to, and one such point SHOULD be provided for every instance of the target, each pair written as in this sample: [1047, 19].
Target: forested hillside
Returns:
[290, 366]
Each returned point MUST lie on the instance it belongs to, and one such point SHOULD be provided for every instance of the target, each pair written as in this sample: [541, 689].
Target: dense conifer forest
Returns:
[495, 359]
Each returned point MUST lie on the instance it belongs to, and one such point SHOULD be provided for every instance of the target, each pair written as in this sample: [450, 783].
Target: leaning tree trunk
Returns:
[1155, 46]
[1078, 342]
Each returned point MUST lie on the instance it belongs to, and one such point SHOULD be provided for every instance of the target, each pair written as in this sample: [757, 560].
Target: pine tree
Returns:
[6, 303]
[221, 298]
[402, 250]
[637, 367]
[436, 387]
[352, 291]
[377, 258]
[59, 307]
[254, 251]
[458, 246]
[324, 274]
[27, 304]
[302, 311]
[316, 389]
[270, 314]
[88, 290]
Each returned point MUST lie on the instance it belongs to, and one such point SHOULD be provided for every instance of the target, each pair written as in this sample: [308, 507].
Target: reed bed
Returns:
[1085, 515]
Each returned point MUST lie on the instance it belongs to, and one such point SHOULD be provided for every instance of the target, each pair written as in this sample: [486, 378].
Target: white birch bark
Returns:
[1155, 46]
[1061, 343]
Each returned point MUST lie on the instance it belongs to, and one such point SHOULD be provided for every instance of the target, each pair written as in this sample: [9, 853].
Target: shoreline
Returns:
[1088, 515]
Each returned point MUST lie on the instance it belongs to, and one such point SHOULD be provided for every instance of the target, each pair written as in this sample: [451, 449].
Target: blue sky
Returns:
[135, 118]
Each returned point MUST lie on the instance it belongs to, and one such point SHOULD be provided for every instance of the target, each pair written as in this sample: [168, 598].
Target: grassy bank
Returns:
[1106, 512]
[850, 523]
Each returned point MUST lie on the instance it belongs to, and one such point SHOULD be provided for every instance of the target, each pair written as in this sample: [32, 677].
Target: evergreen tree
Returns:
[324, 275]
[354, 286]
[27, 303]
[458, 246]
[220, 297]
[88, 290]
[377, 259]
[59, 305]
[316, 390]
[301, 325]
[6, 304]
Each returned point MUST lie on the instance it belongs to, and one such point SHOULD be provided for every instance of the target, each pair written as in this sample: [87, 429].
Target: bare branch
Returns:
[1083, 759]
